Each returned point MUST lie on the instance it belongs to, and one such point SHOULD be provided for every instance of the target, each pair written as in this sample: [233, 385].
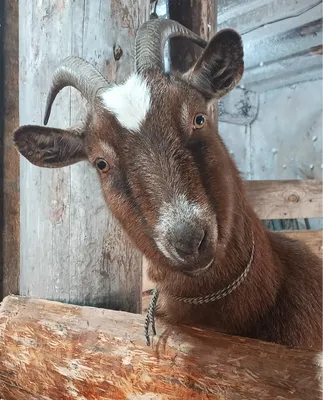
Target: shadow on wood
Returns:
[51, 350]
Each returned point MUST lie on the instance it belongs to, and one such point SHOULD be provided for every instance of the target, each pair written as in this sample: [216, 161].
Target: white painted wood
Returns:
[293, 69]
[248, 15]
[280, 79]
[239, 107]
[276, 34]
[72, 249]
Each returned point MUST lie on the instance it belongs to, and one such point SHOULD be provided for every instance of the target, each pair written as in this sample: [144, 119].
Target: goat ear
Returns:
[220, 67]
[49, 147]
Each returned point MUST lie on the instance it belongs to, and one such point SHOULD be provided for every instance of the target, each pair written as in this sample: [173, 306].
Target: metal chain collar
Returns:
[150, 318]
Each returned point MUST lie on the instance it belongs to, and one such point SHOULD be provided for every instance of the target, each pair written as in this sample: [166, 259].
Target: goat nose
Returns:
[188, 239]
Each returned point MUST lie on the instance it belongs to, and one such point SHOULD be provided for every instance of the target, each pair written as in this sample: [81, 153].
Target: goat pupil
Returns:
[199, 120]
[101, 164]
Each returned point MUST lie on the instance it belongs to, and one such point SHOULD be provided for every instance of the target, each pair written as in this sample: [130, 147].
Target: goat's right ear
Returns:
[220, 67]
[49, 147]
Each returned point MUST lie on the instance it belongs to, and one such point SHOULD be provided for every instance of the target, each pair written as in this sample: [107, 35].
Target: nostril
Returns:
[188, 240]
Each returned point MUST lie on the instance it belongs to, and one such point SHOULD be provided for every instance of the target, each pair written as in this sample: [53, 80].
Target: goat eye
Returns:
[102, 165]
[199, 121]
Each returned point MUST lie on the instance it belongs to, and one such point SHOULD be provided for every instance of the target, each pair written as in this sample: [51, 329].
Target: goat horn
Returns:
[80, 74]
[151, 39]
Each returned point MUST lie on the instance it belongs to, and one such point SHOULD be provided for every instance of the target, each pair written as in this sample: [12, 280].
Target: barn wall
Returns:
[72, 249]
[285, 140]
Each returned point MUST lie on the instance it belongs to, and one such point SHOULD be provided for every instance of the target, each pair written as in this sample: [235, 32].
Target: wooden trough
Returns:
[51, 350]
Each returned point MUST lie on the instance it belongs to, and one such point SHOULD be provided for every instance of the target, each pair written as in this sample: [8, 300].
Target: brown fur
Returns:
[281, 298]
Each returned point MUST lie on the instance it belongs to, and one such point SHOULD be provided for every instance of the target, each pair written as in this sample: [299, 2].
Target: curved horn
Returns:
[76, 72]
[151, 39]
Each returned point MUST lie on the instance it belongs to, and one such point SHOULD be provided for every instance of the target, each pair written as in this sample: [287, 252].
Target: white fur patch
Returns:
[170, 215]
[129, 102]
[108, 150]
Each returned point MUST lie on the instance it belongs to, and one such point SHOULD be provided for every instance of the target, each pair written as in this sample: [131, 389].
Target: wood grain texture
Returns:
[9, 181]
[201, 18]
[198, 16]
[58, 351]
[313, 238]
[274, 199]
[72, 249]
[278, 37]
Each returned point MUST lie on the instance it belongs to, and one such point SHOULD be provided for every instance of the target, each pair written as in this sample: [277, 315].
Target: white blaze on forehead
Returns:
[170, 215]
[129, 102]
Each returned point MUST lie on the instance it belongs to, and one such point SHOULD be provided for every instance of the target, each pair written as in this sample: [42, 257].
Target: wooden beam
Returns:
[59, 351]
[250, 15]
[198, 16]
[276, 36]
[306, 65]
[9, 159]
[313, 239]
[282, 199]
[72, 249]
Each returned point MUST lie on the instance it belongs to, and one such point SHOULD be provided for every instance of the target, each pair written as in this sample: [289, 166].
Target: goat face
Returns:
[152, 142]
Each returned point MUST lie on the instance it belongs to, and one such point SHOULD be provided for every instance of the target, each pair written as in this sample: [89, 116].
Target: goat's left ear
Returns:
[49, 147]
[220, 67]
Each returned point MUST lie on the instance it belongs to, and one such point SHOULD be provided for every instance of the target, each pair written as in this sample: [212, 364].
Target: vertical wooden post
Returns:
[72, 249]
[201, 18]
[198, 16]
[9, 159]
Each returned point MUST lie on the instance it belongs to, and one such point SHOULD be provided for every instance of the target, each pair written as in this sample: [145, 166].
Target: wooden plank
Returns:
[306, 65]
[273, 32]
[313, 238]
[200, 17]
[58, 351]
[240, 107]
[281, 45]
[72, 249]
[250, 15]
[9, 181]
[282, 199]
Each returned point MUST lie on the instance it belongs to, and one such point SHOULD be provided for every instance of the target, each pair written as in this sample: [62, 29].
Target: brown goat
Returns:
[168, 178]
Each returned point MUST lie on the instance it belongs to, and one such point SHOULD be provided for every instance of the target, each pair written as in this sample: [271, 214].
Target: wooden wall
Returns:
[72, 249]
[9, 159]
[282, 40]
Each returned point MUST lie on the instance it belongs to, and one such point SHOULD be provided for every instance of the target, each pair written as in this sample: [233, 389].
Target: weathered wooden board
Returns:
[72, 249]
[9, 159]
[252, 14]
[313, 238]
[273, 199]
[198, 16]
[57, 351]
[278, 73]
[276, 35]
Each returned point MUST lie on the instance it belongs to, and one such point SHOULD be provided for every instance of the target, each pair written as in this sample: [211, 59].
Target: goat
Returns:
[168, 178]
